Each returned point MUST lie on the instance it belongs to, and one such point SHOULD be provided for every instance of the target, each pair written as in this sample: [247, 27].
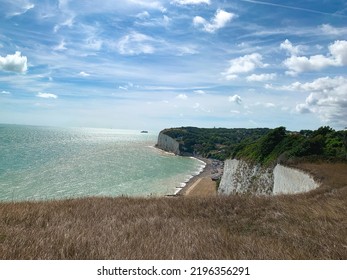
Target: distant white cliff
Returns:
[242, 177]
[168, 144]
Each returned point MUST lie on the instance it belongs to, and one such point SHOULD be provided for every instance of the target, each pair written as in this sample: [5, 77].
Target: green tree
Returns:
[271, 140]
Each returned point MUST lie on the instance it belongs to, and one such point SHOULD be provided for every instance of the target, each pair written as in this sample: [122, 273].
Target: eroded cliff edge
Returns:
[168, 144]
[242, 177]
[289, 180]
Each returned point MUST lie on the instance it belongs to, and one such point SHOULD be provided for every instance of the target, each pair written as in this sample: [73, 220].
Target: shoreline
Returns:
[202, 184]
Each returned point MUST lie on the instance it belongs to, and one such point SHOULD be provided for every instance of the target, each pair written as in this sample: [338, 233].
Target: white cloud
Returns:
[321, 84]
[337, 57]
[199, 91]
[5, 92]
[14, 63]
[331, 30]
[196, 106]
[191, 2]
[46, 95]
[288, 46]
[93, 44]
[197, 20]
[60, 47]
[244, 64]
[220, 19]
[153, 22]
[186, 50]
[18, 7]
[136, 43]
[143, 15]
[182, 96]
[156, 5]
[128, 86]
[339, 52]
[303, 64]
[236, 99]
[264, 104]
[269, 105]
[230, 77]
[327, 99]
[125, 7]
[83, 74]
[261, 77]
[68, 22]
[303, 109]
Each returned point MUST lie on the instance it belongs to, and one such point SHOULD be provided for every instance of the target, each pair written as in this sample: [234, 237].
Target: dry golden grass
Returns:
[307, 226]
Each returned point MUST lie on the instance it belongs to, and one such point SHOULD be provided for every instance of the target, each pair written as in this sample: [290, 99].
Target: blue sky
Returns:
[154, 64]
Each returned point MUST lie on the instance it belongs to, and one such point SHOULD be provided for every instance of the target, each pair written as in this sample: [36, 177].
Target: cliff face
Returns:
[242, 177]
[168, 144]
[289, 180]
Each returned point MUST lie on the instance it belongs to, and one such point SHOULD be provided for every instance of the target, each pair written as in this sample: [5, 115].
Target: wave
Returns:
[201, 168]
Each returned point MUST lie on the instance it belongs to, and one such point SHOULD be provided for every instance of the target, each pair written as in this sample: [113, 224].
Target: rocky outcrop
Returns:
[168, 144]
[242, 177]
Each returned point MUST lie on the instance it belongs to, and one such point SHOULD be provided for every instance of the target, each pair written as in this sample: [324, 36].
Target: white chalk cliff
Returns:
[168, 144]
[242, 177]
[289, 180]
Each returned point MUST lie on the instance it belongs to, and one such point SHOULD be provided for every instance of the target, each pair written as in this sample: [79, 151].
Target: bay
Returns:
[44, 163]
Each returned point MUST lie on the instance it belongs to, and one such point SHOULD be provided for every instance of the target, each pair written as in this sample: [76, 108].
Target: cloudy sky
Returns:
[151, 64]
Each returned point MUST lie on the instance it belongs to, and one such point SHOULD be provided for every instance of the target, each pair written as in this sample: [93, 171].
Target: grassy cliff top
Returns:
[305, 226]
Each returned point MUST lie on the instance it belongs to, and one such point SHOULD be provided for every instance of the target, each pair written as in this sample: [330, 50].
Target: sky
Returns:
[154, 64]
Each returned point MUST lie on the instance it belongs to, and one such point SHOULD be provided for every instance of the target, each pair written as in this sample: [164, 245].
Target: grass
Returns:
[305, 226]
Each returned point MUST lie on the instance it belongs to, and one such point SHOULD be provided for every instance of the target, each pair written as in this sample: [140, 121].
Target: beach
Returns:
[203, 184]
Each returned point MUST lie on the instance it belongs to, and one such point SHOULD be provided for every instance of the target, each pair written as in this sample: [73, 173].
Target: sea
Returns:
[49, 163]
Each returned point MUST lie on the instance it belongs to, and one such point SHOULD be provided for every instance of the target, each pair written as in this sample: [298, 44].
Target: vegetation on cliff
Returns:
[218, 143]
[283, 146]
[261, 145]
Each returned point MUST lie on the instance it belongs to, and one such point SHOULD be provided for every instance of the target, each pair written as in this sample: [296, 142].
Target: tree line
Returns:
[262, 145]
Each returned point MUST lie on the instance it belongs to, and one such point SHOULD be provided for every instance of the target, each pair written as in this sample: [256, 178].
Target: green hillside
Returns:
[261, 144]
[218, 143]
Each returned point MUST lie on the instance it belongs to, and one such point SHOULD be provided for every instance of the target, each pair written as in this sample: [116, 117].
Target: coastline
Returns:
[202, 184]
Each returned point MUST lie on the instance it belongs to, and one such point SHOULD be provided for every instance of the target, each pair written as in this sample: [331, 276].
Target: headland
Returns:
[254, 161]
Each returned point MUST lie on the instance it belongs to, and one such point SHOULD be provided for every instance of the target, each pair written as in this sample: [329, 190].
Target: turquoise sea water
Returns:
[39, 163]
